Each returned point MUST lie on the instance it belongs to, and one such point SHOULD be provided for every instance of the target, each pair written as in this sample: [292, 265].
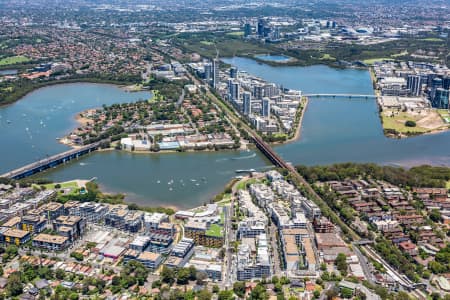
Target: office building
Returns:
[270, 90]
[233, 72]
[260, 27]
[441, 99]
[267, 31]
[435, 84]
[215, 73]
[414, 84]
[265, 111]
[247, 29]
[208, 71]
[430, 78]
[446, 83]
[234, 90]
[258, 92]
[275, 36]
[247, 103]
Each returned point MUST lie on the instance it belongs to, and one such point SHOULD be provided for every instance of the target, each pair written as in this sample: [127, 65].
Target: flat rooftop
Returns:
[146, 255]
[15, 233]
[51, 239]
[68, 220]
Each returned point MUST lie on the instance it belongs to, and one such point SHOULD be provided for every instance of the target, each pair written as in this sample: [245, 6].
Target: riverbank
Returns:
[276, 58]
[298, 129]
[179, 151]
[407, 123]
[101, 195]
[295, 136]
[296, 62]
[81, 119]
[32, 86]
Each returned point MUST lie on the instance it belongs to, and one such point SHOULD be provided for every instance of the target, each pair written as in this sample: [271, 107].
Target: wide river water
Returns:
[333, 131]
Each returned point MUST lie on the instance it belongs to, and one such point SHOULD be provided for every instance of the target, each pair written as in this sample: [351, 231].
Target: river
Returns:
[332, 131]
[342, 130]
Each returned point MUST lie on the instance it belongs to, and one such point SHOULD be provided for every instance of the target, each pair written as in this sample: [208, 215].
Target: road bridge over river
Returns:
[50, 162]
[334, 96]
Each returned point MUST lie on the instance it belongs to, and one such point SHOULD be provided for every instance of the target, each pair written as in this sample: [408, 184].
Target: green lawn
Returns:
[448, 185]
[327, 56]
[226, 199]
[398, 123]
[400, 54]
[236, 33]
[371, 61]
[224, 203]
[64, 185]
[226, 47]
[280, 135]
[432, 40]
[215, 230]
[156, 96]
[243, 184]
[13, 60]
[445, 114]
